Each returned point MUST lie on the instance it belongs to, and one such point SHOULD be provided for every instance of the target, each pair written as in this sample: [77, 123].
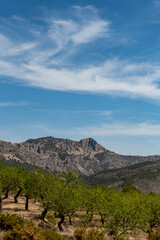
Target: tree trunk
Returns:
[102, 218]
[102, 221]
[150, 233]
[61, 222]
[26, 204]
[70, 219]
[0, 203]
[17, 195]
[41, 196]
[43, 214]
[6, 194]
[90, 217]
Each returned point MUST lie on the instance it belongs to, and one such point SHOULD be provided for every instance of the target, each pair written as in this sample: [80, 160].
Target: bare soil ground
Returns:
[9, 206]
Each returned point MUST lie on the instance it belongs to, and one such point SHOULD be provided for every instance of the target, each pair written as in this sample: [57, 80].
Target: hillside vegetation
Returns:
[145, 176]
[94, 212]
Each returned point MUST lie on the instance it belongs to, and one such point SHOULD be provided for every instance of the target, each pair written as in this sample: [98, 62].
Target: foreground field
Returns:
[9, 207]
[61, 203]
[34, 214]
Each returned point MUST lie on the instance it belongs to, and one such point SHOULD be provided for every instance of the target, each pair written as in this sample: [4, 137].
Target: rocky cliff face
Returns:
[85, 156]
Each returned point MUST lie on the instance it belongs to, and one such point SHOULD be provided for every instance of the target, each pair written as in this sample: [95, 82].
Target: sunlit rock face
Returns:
[85, 156]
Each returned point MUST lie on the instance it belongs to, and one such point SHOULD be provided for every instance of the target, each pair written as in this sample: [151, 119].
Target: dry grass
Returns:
[34, 212]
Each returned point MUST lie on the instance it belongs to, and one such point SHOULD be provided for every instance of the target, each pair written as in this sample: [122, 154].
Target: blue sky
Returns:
[78, 69]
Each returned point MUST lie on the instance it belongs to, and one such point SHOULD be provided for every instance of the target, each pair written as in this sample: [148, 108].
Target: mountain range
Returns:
[87, 157]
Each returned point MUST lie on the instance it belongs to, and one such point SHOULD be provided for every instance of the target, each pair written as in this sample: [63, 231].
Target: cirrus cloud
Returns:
[46, 60]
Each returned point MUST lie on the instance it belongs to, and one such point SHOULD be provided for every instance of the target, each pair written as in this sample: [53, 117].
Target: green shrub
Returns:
[80, 233]
[95, 234]
[9, 221]
[130, 187]
[27, 232]
[92, 234]
[51, 218]
[30, 232]
[49, 235]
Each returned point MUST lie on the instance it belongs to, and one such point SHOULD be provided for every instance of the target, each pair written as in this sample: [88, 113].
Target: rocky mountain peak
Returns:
[84, 145]
[91, 143]
[85, 156]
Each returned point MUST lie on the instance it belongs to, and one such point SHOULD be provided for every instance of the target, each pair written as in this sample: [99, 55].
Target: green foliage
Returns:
[9, 221]
[49, 235]
[121, 213]
[48, 191]
[30, 231]
[130, 187]
[31, 183]
[133, 173]
[26, 232]
[51, 218]
[3, 169]
[152, 209]
[59, 196]
[12, 178]
[70, 177]
[95, 234]
[66, 200]
[127, 214]
[82, 233]
[102, 200]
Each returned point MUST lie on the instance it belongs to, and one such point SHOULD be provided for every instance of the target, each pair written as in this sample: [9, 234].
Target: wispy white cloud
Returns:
[92, 31]
[71, 33]
[13, 104]
[122, 129]
[8, 48]
[97, 112]
[112, 77]
[156, 3]
[110, 129]
[46, 60]
[154, 11]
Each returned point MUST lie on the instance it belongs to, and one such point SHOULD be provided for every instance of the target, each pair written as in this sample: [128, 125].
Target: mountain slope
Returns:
[85, 156]
[145, 176]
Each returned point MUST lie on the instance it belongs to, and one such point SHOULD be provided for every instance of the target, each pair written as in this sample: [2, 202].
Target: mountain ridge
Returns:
[86, 156]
